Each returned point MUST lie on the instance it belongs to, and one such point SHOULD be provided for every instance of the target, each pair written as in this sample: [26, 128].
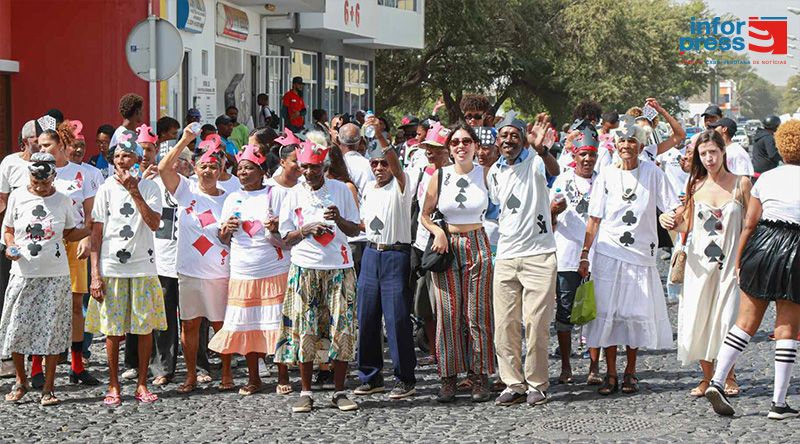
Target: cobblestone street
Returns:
[662, 412]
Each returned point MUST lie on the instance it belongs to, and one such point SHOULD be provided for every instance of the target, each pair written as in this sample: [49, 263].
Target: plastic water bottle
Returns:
[369, 130]
[559, 196]
[13, 251]
[236, 209]
[135, 170]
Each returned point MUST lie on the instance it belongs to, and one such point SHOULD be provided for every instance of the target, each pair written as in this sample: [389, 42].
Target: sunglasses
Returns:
[473, 116]
[456, 142]
[382, 162]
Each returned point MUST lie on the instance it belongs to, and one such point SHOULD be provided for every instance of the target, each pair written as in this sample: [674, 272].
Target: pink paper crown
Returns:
[77, 127]
[311, 153]
[288, 139]
[437, 135]
[211, 142]
[212, 155]
[251, 153]
[146, 135]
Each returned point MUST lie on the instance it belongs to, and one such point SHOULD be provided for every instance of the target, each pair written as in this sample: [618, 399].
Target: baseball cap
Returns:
[725, 122]
[712, 110]
[194, 112]
[408, 120]
[297, 79]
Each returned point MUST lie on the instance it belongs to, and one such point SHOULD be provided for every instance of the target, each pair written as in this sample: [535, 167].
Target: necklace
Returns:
[629, 194]
[314, 195]
[577, 188]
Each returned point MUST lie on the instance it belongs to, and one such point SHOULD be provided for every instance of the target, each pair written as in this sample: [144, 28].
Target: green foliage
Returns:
[547, 54]
[790, 101]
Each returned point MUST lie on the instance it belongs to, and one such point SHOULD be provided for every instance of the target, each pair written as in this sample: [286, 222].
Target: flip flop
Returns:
[186, 388]
[594, 379]
[204, 378]
[565, 378]
[49, 398]
[146, 397]
[112, 399]
[226, 386]
[18, 391]
[630, 383]
[284, 389]
[251, 389]
[161, 380]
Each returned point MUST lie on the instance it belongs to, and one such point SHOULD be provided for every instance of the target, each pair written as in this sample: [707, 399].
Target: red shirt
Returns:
[294, 103]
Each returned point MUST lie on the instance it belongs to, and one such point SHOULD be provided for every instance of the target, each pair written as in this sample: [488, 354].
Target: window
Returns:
[229, 74]
[304, 64]
[356, 85]
[408, 5]
[204, 62]
[277, 73]
[330, 95]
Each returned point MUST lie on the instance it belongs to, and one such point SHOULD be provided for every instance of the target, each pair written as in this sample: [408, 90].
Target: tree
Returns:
[790, 101]
[544, 53]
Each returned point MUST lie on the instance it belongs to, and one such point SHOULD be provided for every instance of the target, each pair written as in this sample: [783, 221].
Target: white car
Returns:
[742, 139]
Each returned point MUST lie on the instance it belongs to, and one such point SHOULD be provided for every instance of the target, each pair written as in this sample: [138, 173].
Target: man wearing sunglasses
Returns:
[383, 281]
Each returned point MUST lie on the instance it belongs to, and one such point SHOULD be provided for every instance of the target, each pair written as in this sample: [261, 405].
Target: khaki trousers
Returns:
[524, 291]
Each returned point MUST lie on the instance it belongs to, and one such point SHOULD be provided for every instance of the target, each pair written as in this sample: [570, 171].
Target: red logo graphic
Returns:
[346, 260]
[352, 13]
[769, 34]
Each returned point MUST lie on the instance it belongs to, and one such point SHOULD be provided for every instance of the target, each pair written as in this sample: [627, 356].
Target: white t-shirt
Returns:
[39, 224]
[463, 198]
[166, 237]
[361, 174]
[779, 192]
[277, 199]
[421, 187]
[72, 181]
[521, 191]
[201, 253]
[128, 249]
[14, 173]
[386, 212]
[570, 227]
[671, 164]
[628, 228]
[252, 255]
[416, 160]
[228, 186]
[739, 161]
[302, 206]
[93, 175]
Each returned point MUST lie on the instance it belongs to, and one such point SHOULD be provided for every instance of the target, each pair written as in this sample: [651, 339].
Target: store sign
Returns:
[191, 15]
[232, 22]
[352, 13]
[206, 98]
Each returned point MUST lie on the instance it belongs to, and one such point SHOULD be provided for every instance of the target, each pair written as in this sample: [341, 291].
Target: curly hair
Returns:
[634, 111]
[787, 138]
[587, 110]
[130, 104]
[476, 102]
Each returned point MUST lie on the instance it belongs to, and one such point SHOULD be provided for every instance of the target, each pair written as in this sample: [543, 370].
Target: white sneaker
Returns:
[130, 373]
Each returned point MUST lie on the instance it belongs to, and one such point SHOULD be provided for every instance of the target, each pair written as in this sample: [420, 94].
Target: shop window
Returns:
[356, 85]
[330, 95]
[408, 5]
[304, 64]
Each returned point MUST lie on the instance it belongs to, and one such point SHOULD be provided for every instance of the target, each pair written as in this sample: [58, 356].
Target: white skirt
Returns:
[631, 309]
[202, 298]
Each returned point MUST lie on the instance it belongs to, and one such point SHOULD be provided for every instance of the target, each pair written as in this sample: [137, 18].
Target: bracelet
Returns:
[583, 260]
[584, 250]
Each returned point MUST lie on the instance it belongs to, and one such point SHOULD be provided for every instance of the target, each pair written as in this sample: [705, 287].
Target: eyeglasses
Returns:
[473, 116]
[465, 141]
[382, 162]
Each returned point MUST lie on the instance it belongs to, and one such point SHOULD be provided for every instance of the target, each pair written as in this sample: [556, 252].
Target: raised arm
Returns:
[166, 168]
[678, 134]
[536, 135]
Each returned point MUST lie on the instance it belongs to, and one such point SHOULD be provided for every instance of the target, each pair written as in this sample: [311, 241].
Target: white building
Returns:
[236, 49]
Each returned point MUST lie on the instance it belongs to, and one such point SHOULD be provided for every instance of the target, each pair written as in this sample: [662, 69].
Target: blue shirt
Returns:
[502, 162]
[230, 147]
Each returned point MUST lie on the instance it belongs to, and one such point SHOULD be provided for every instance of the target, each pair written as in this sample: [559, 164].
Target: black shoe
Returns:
[402, 390]
[784, 412]
[370, 387]
[37, 380]
[716, 396]
[83, 377]
[323, 380]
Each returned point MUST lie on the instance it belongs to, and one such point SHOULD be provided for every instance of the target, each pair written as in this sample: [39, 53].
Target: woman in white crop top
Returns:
[463, 293]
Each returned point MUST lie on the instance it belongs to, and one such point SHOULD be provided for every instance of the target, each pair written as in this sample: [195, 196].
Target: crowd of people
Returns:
[313, 248]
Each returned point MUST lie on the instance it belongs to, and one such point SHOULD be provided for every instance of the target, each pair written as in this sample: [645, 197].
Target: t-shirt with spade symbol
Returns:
[252, 254]
[386, 212]
[201, 253]
[39, 224]
[570, 227]
[463, 199]
[329, 251]
[627, 207]
[128, 249]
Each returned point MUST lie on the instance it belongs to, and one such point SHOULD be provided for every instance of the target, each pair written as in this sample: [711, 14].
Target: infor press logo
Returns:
[757, 34]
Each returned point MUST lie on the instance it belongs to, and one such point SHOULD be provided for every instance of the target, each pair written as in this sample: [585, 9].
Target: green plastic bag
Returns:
[584, 309]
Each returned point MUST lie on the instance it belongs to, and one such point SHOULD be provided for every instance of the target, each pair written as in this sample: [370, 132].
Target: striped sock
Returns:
[735, 342]
[785, 354]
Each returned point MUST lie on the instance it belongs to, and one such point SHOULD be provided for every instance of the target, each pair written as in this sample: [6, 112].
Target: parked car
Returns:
[741, 138]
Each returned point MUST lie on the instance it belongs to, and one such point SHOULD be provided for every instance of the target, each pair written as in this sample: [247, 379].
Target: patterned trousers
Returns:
[463, 296]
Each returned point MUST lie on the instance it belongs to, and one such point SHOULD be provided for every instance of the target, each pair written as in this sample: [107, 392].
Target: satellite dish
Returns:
[169, 50]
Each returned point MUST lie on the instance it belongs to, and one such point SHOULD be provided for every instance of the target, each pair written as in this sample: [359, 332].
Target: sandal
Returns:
[565, 377]
[731, 387]
[112, 399]
[146, 397]
[161, 380]
[608, 388]
[700, 390]
[284, 389]
[18, 391]
[226, 386]
[594, 379]
[49, 398]
[251, 389]
[186, 387]
[630, 383]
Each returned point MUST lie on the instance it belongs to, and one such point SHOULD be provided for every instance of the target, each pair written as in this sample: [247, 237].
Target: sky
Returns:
[777, 74]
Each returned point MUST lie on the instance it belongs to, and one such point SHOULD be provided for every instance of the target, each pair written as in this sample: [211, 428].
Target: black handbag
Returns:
[431, 260]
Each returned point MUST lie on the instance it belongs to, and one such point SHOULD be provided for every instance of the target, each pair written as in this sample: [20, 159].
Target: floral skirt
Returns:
[318, 316]
[131, 305]
[37, 316]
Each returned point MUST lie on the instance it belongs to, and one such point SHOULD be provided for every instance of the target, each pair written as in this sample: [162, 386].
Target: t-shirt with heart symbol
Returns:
[253, 255]
[200, 253]
[39, 224]
[122, 255]
[301, 207]
[72, 180]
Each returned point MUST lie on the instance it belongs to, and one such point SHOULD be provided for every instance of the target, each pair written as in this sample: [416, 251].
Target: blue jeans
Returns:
[383, 292]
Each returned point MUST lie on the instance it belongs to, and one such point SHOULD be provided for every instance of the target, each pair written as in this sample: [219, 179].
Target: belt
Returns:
[389, 247]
